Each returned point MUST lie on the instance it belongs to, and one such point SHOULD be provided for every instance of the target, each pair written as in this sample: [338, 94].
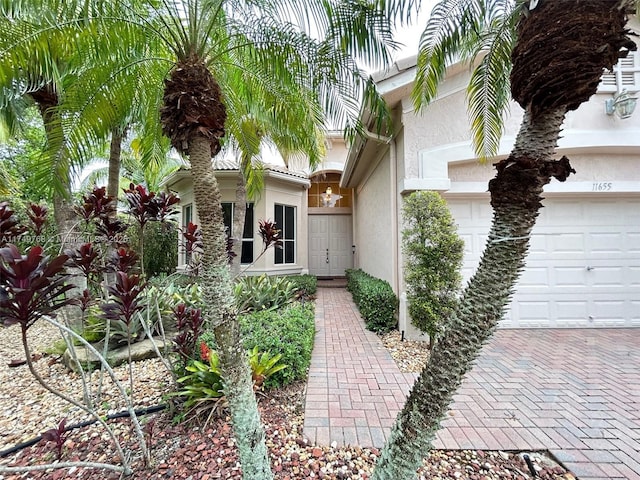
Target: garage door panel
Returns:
[569, 277]
[571, 312]
[531, 313]
[612, 313]
[607, 276]
[535, 277]
[538, 244]
[635, 315]
[468, 243]
[567, 243]
[606, 243]
[633, 242]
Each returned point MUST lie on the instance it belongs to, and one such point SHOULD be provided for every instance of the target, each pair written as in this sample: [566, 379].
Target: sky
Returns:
[410, 35]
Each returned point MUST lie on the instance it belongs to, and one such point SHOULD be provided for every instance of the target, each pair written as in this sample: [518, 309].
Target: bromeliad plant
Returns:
[263, 365]
[263, 293]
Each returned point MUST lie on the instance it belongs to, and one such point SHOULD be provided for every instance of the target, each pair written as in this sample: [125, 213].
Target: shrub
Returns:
[263, 293]
[375, 300]
[433, 259]
[306, 285]
[160, 252]
[289, 332]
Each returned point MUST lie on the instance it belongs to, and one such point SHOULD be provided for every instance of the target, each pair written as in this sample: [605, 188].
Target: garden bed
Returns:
[187, 451]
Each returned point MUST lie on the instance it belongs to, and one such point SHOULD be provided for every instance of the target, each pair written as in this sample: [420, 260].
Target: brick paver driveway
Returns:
[575, 393]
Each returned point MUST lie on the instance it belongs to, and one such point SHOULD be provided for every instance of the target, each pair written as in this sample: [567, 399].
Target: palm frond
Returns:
[488, 92]
[453, 24]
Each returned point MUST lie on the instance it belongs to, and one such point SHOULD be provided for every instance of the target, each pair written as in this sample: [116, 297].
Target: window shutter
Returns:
[625, 75]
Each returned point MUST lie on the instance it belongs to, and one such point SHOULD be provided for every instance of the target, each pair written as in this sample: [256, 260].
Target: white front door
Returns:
[330, 239]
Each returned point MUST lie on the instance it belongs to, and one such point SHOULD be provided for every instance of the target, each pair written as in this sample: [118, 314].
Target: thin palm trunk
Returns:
[219, 312]
[516, 198]
[115, 154]
[239, 215]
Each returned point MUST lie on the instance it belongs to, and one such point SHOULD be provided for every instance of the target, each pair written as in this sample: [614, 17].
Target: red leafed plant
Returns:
[83, 258]
[166, 202]
[125, 294]
[38, 216]
[122, 259]
[270, 234]
[193, 238]
[32, 285]
[189, 323]
[58, 436]
[142, 204]
[96, 204]
[10, 228]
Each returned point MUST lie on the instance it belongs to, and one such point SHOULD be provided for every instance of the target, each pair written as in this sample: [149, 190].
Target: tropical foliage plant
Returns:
[263, 292]
[289, 332]
[433, 259]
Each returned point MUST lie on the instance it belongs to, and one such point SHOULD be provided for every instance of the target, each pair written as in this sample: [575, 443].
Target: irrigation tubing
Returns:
[86, 423]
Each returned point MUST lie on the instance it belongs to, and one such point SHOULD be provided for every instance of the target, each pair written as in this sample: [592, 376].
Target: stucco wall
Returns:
[374, 222]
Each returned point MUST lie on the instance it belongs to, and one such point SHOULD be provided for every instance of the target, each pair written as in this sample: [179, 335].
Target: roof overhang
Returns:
[394, 85]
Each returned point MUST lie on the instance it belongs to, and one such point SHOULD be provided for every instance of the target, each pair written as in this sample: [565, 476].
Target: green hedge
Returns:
[375, 300]
[306, 285]
[289, 331]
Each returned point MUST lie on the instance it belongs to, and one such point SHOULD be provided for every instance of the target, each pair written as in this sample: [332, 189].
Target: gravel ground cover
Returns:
[200, 452]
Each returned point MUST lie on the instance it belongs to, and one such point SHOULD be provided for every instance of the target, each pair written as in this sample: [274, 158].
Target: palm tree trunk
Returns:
[237, 229]
[516, 199]
[220, 314]
[115, 154]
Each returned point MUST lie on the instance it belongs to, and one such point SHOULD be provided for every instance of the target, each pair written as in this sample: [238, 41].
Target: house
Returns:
[313, 212]
[583, 269]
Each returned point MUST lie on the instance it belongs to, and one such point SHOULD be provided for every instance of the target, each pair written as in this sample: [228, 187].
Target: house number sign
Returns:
[602, 186]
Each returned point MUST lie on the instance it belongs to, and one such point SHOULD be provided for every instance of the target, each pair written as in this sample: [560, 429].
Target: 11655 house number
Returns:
[602, 186]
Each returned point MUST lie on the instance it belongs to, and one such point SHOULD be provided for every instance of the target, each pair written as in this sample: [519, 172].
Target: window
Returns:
[187, 217]
[246, 256]
[285, 217]
[625, 75]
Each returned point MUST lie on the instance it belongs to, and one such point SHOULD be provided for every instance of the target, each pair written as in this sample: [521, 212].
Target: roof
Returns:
[230, 165]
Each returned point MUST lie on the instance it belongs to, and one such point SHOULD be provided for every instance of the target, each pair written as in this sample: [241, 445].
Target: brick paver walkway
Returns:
[575, 393]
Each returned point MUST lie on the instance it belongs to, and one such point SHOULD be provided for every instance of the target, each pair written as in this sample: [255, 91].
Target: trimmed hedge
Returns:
[289, 331]
[306, 285]
[375, 300]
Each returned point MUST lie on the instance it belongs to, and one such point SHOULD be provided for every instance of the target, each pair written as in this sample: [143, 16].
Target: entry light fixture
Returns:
[622, 104]
[326, 197]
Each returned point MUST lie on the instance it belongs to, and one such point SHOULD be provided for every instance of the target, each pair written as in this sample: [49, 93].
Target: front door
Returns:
[330, 239]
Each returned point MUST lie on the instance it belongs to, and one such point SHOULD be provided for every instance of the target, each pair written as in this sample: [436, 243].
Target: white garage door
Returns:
[583, 268]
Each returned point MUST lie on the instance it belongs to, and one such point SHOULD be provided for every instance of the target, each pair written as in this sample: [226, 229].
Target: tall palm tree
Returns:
[560, 49]
[201, 51]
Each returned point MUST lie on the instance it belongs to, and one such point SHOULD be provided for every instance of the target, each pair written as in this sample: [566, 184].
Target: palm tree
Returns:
[560, 49]
[202, 52]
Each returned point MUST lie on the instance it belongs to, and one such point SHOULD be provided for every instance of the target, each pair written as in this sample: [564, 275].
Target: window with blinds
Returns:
[625, 75]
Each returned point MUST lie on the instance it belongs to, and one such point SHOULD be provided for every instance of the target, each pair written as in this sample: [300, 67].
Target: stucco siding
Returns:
[374, 223]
